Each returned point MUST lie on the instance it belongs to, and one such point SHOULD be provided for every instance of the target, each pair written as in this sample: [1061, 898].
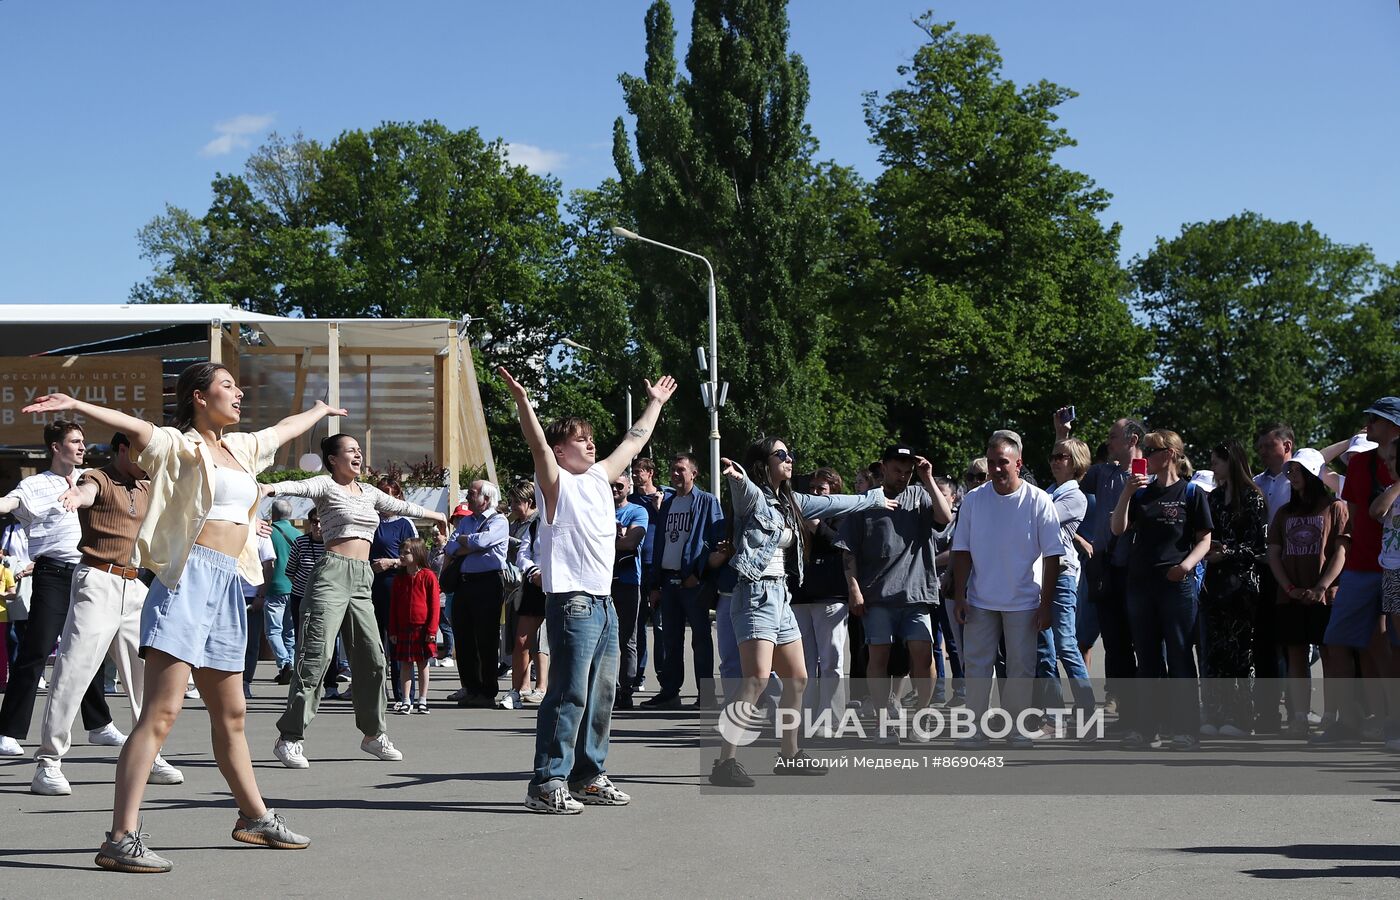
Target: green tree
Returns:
[1367, 357]
[1255, 322]
[723, 168]
[1000, 297]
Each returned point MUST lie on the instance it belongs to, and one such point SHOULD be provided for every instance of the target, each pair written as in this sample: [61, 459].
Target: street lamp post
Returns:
[712, 393]
[570, 342]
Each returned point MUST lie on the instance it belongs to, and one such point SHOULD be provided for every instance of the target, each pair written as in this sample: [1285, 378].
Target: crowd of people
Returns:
[1210, 592]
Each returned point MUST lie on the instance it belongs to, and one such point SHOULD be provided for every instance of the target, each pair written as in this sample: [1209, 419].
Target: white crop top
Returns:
[235, 492]
[777, 565]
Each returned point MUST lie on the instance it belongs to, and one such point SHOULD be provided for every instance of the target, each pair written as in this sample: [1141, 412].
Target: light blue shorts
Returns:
[762, 611]
[203, 620]
[908, 623]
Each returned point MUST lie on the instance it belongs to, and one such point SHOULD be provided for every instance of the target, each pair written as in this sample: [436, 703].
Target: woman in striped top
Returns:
[339, 592]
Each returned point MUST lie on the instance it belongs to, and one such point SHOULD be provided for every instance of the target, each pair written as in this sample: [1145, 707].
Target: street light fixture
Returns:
[570, 342]
[711, 393]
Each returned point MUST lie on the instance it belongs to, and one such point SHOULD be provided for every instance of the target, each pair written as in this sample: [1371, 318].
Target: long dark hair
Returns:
[330, 446]
[1314, 498]
[1241, 482]
[197, 377]
[756, 465]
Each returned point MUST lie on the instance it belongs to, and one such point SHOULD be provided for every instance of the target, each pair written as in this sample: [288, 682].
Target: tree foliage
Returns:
[999, 297]
[1258, 321]
[723, 168]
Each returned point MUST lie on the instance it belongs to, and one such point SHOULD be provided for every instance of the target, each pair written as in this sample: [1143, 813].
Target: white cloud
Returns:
[235, 134]
[536, 160]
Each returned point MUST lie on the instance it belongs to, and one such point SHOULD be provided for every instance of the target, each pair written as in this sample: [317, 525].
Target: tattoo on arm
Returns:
[638, 431]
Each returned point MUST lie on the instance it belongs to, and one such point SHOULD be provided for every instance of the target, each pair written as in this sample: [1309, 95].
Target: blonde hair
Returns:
[1165, 439]
[1078, 455]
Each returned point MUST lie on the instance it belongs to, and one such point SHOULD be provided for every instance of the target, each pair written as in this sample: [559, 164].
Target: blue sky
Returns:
[1189, 110]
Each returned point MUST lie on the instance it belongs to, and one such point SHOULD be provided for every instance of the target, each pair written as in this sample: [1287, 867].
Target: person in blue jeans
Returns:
[1170, 525]
[576, 548]
[768, 540]
[1059, 644]
[649, 496]
[678, 589]
[279, 622]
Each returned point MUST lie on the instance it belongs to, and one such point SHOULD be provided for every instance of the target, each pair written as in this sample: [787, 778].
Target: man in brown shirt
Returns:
[104, 611]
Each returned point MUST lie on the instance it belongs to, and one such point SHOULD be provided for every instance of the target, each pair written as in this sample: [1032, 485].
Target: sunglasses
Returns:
[1148, 451]
[784, 456]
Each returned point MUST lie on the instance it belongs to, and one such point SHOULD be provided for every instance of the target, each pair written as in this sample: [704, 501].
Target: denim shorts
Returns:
[203, 620]
[1356, 613]
[762, 611]
[910, 623]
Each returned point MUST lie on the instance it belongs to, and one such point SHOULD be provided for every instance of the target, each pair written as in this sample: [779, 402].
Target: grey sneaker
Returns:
[600, 791]
[269, 831]
[557, 802]
[130, 854]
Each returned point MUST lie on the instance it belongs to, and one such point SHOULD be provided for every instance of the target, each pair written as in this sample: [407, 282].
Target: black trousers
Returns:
[1109, 593]
[47, 611]
[628, 600]
[476, 630]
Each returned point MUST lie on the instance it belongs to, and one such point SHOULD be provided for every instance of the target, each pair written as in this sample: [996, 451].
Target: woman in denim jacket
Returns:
[767, 550]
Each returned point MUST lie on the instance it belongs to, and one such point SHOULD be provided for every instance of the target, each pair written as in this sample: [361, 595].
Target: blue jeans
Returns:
[1163, 698]
[579, 702]
[1059, 645]
[281, 629]
[255, 638]
[681, 606]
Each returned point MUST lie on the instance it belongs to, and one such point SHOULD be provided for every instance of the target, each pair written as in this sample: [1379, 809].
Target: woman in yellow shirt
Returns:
[198, 539]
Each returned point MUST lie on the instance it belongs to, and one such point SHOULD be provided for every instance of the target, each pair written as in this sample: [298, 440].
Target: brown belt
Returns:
[130, 573]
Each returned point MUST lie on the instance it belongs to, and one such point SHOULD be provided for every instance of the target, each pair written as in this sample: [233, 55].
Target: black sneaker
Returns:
[663, 701]
[623, 701]
[284, 676]
[1335, 735]
[801, 764]
[730, 773]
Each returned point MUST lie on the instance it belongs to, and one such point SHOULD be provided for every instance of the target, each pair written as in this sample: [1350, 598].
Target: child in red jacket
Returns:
[413, 622]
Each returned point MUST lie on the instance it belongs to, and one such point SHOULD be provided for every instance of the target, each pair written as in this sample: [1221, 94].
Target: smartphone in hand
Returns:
[1139, 466]
[1067, 415]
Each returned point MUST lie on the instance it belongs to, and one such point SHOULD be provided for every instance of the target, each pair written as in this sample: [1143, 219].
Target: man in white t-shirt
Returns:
[575, 549]
[1006, 558]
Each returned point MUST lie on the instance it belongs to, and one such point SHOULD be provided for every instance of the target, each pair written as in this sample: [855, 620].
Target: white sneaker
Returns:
[191, 693]
[107, 736]
[511, 701]
[43, 683]
[558, 801]
[533, 698]
[49, 781]
[458, 694]
[9, 746]
[380, 747]
[290, 754]
[448, 663]
[163, 772]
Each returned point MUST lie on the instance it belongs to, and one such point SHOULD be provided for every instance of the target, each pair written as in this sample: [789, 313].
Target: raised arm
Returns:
[743, 492]
[546, 469]
[942, 509]
[396, 507]
[815, 507]
[1380, 506]
[139, 430]
[1332, 451]
[293, 427]
[79, 497]
[636, 437]
[9, 503]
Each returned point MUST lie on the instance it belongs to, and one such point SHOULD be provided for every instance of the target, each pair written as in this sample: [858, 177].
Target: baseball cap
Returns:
[461, 510]
[1359, 444]
[1204, 479]
[898, 451]
[1310, 460]
[1387, 408]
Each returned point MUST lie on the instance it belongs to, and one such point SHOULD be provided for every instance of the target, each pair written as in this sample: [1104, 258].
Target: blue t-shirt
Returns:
[628, 568]
[652, 514]
[388, 538]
